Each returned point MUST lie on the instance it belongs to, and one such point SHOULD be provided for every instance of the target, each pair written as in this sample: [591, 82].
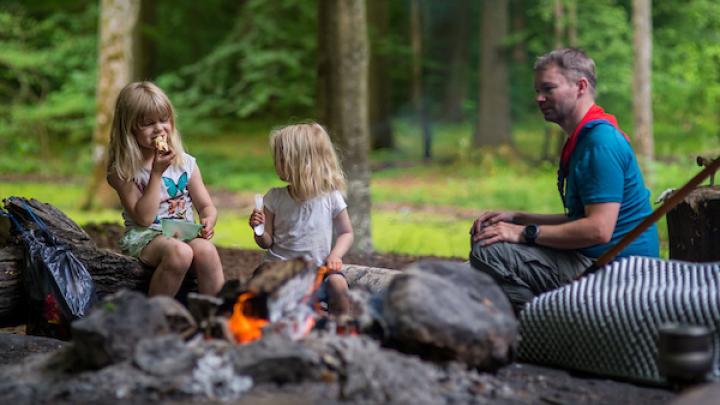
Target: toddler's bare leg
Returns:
[207, 266]
[338, 302]
[172, 259]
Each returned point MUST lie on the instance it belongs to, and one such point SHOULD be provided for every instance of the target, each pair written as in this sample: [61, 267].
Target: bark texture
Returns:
[642, 78]
[342, 102]
[379, 106]
[694, 226]
[493, 126]
[118, 29]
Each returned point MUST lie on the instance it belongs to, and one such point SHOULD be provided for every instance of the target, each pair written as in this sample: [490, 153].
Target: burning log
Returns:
[245, 327]
[279, 295]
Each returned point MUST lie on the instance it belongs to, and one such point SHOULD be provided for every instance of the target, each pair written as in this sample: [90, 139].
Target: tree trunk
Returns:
[554, 137]
[642, 76]
[342, 102]
[457, 80]
[572, 24]
[379, 109]
[143, 45]
[418, 96]
[694, 226]
[519, 25]
[493, 124]
[118, 21]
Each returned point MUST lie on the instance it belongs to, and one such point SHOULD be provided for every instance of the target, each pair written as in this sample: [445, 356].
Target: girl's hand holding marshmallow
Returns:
[256, 218]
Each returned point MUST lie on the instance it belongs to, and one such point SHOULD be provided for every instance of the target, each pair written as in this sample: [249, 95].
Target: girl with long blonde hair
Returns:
[156, 180]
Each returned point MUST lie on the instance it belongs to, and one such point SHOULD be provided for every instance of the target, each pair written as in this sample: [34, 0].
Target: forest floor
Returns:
[552, 386]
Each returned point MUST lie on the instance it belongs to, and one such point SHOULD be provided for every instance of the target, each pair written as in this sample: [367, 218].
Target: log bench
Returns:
[110, 270]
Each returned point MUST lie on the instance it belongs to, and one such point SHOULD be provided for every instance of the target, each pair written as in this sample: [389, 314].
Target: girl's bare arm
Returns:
[142, 207]
[344, 240]
[202, 202]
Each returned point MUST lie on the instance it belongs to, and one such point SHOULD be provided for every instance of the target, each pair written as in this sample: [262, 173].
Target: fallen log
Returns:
[110, 271]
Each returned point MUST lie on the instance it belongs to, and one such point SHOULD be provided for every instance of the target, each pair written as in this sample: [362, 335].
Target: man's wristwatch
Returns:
[530, 233]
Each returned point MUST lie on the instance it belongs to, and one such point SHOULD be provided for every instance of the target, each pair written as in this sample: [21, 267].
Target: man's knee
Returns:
[489, 258]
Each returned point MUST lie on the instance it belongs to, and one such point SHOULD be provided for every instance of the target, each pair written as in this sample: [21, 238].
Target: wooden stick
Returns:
[666, 206]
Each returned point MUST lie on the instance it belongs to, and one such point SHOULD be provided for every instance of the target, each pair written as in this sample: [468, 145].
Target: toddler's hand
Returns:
[333, 263]
[256, 218]
[208, 229]
[162, 161]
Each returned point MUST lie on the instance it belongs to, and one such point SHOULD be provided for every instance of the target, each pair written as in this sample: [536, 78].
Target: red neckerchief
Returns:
[595, 113]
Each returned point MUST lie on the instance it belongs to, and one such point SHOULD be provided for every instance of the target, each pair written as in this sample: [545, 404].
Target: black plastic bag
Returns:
[58, 287]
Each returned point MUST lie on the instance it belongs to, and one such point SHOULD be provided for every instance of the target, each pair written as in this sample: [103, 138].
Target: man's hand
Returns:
[333, 263]
[490, 218]
[498, 232]
[256, 218]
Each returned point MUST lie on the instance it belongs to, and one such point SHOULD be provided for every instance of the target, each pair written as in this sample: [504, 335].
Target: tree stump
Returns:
[694, 226]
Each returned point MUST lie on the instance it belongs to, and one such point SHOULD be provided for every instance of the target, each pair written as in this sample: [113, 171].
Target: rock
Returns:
[277, 359]
[163, 355]
[706, 394]
[373, 279]
[370, 374]
[178, 317]
[447, 311]
[109, 334]
[14, 348]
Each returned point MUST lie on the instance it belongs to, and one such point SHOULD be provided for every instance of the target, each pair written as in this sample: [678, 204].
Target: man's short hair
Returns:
[573, 63]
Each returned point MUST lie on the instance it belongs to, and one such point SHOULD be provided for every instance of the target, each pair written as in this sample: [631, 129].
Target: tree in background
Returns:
[560, 23]
[118, 26]
[418, 83]
[456, 87]
[342, 102]
[642, 79]
[493, 122]
[380, 85]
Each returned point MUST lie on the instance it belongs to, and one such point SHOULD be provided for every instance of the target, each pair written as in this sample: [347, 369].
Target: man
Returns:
[599, 181]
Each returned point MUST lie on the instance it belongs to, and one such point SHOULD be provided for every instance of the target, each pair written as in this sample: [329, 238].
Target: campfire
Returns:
[281, 297]
[245, 326]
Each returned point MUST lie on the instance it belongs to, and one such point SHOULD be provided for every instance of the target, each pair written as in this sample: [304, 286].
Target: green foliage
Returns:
[686, 81]
[47, 81]
[265, 65]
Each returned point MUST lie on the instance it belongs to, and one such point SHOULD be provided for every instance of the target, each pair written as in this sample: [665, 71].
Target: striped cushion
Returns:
[607, 323]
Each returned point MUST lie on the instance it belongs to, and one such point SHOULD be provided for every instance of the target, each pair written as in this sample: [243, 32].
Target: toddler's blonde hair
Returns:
[135, 102]
[305, 158]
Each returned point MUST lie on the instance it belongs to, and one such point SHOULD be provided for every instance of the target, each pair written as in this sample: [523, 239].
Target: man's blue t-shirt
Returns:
[602, 169]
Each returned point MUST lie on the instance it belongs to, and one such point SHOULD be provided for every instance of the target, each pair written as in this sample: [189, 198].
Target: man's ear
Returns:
[583, 85]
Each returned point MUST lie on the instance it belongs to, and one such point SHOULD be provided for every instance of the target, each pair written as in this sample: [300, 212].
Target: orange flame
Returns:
[245, 328]
[319, 277]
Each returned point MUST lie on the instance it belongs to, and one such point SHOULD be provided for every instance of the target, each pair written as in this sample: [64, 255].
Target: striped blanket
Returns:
[607, 323]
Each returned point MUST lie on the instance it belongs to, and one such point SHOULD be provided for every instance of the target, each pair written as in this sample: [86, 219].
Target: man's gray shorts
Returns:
[524, 271]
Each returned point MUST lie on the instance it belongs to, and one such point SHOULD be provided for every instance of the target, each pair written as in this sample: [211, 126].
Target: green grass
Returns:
[238, 159]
